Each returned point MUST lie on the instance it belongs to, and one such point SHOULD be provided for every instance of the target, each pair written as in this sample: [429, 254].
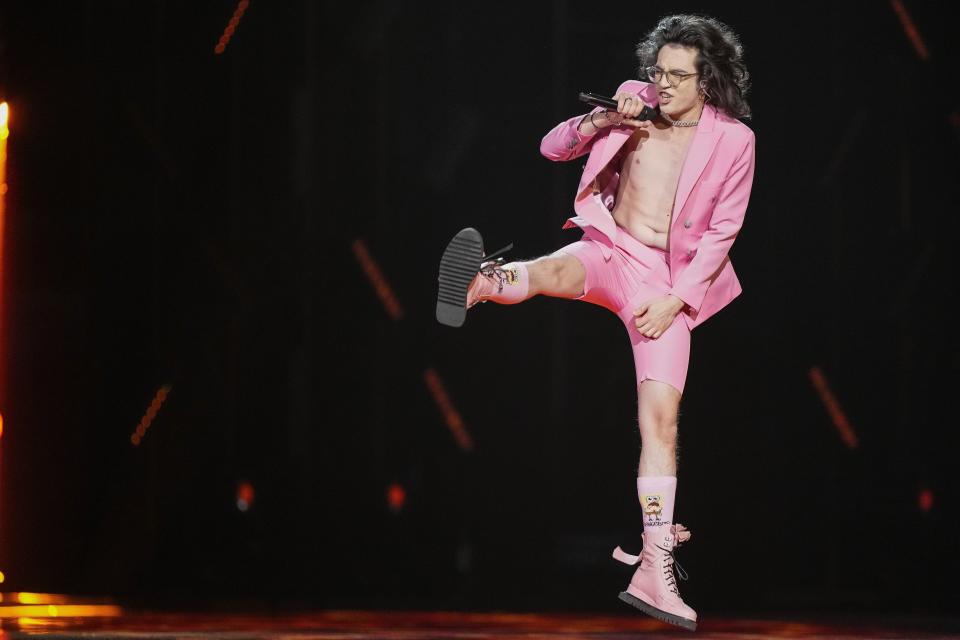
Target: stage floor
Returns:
[407, 625]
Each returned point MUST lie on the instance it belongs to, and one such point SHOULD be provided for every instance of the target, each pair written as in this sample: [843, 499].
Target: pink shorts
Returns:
[634, 274]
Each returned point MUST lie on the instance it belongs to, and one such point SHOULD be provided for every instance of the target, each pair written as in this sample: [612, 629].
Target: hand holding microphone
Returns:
[624, 108]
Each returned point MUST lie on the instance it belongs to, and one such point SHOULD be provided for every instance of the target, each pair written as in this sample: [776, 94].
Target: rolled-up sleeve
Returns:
[565, 141]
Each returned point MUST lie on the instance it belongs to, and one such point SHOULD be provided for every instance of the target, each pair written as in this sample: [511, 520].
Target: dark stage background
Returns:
[207, 225]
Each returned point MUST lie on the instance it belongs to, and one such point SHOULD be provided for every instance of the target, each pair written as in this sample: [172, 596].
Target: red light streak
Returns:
[151, 413]
[231, 27]
[833, 408]
[910, 29]
[450, 413]
[377, 279]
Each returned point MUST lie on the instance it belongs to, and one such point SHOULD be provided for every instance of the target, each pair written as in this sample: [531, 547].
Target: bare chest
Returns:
[653, 159]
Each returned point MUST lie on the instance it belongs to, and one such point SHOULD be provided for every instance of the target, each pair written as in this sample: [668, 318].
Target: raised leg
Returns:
[558, 275]
[464, 280]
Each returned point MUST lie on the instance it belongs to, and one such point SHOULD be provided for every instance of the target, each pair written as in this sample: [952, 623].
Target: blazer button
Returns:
[686, 225]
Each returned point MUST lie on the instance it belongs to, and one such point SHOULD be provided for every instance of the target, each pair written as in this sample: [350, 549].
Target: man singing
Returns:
[660, 203]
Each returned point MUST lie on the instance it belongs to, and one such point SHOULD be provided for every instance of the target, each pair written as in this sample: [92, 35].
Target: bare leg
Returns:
[559, 275]
[659, 411]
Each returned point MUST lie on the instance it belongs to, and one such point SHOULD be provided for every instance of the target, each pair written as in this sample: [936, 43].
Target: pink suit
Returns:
[621, 272]
[712, 196]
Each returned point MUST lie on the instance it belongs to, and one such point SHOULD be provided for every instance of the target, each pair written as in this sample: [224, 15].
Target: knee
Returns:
[659, 405]
[558, 273]
[659, 427]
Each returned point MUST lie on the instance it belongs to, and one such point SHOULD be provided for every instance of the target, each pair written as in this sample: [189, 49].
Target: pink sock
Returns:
[516, 284]
[656, 499]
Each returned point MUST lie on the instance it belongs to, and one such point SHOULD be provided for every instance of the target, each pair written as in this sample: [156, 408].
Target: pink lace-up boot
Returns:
[653, 588]
[468, 276]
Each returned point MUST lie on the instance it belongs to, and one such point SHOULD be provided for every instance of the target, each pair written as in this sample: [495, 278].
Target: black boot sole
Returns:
[460, 263]
[690, 625]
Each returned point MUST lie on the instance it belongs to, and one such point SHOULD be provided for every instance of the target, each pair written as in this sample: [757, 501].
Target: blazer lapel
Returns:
[701, 149]
[618, 136]
[589, 205]
[616, 139]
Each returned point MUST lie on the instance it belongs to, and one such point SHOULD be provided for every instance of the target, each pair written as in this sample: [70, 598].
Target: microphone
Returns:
[597, 100]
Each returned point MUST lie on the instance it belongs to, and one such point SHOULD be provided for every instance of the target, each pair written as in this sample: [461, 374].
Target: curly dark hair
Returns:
[719, 61]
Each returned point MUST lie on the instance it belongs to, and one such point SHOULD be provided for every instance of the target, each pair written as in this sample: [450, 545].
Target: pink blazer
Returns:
[712, 196]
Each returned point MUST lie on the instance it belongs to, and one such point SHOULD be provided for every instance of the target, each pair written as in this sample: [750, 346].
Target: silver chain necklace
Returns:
[679, 123]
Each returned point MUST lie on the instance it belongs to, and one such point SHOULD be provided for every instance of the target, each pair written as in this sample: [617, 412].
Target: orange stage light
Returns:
[840, 421]
[39, 608]
[52, 611]
[377, 279]
[450, 413]
[31, 597]
[396, 497]
[245, 495]
[910, 29]
[4, 135]
[147, 419]
[231, 27]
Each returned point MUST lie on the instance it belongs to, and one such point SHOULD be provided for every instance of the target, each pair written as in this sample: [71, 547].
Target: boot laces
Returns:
[494, 271]
[669, 565]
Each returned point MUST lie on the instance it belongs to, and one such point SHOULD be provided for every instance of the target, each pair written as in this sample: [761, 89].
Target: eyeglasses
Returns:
[673, 78]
